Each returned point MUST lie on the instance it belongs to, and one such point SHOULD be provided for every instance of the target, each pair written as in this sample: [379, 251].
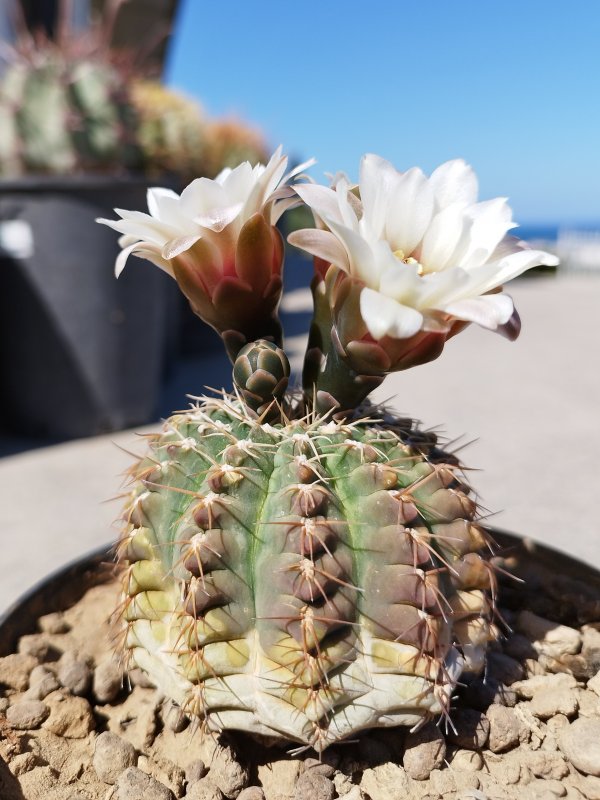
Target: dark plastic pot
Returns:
[80, 353]
[64, 588]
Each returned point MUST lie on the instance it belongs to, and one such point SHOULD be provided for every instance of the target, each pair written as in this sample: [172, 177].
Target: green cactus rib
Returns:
[305, 580]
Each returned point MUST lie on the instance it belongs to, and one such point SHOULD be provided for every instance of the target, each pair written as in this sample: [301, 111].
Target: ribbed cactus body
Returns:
[59, 117]
[305, 580]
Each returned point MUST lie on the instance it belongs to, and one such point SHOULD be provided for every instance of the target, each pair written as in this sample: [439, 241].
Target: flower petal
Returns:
[142, 250]
[219, 218]
[489, 311]
[322, 200]
[363, 264]
[322, 244]
[385, 317]
[442, 238]
[454, 182]
[177, 246]
[378, 179]
[409, 211]
[490, 221]
[145, 231]
[162, 204]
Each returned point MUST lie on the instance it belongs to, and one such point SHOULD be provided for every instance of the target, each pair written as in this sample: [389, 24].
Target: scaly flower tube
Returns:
[218, 240]
[410, 261]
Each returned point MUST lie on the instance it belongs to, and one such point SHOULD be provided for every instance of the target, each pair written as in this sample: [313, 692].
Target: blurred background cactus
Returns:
[231, 141]
[171, 131]
[59, 115]
[75, 104]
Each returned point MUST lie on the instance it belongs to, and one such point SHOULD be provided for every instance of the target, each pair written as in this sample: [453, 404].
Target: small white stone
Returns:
[549, 637]
[580, 742]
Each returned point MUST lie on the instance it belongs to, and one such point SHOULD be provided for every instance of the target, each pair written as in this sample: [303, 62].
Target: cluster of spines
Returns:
[288, 554]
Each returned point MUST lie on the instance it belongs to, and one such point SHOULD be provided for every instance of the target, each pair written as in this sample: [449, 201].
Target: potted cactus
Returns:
[305, 565]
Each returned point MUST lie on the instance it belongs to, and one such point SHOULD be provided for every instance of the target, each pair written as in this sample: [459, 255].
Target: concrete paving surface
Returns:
[532, 408]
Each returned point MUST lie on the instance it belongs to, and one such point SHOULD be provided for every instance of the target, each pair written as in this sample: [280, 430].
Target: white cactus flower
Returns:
[212, 210]
[426, 251]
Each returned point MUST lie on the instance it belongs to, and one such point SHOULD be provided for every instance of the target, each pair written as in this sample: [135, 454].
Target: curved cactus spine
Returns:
[306, 580]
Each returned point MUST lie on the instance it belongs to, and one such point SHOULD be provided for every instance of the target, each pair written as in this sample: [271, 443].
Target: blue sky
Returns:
[513, 87]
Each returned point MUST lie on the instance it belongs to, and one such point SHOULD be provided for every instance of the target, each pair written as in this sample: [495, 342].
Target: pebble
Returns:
[112, 755]
[313, 786]
[550, 766]
[133, 784]
[15, 670]
[195, 770]
[537, 683]
[38, 673]
[385, 782]
[589, 786]
[279, 777]
[173, 717]
[548, 637]
[580, 742]
[34, 644]
[589, 703]
[41, 685]
[470, 729]
[22, 763]
[355, 793]
[70, 717]
[342, 782]
[544, 790]
[227, 773]
[74, 674]
[54, 623]
[204, 789]
[253, 793]
[594, 683]
[27, 714]
[315, 765]
[504, 728]
[107, 681]
[466, 761]
[548, 702]
[506, 769]
[425, 750]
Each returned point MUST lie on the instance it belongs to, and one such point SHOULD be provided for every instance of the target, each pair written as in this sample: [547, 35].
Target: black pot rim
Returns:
[56, 592]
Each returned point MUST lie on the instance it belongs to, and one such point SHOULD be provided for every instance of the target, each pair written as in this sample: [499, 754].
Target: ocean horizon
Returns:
[550, 231]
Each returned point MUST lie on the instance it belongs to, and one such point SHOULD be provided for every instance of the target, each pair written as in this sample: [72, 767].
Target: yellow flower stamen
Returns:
[410, 260]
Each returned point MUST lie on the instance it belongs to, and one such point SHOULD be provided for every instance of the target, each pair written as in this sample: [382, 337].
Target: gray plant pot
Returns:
[80, 353]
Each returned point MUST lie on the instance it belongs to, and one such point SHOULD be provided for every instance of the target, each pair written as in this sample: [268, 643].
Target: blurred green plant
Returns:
[76, 105]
